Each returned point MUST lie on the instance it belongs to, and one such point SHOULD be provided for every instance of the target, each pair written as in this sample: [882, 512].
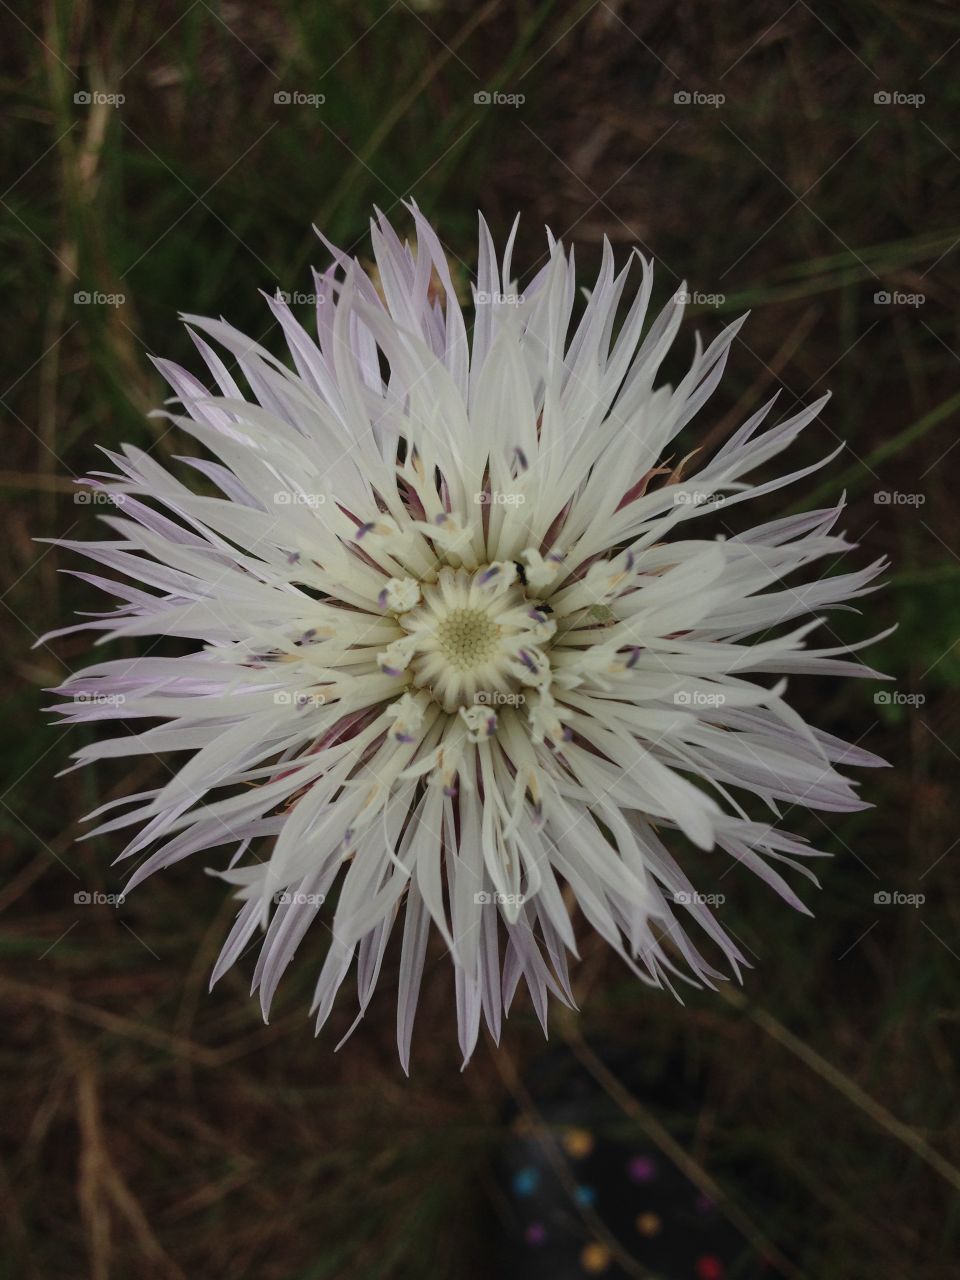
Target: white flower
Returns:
[467, 645]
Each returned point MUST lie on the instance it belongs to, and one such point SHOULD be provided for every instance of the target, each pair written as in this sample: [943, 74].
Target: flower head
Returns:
[467, 645]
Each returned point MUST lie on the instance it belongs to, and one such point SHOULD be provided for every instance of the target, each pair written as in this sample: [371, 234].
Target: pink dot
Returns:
[642, 1169]
[536, 1233]
[710, 1268]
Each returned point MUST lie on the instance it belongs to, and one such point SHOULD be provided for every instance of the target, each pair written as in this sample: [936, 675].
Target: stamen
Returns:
[481, 722]
[399, 595]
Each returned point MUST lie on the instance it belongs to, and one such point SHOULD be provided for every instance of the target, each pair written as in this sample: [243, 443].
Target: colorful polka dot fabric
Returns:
[610, 1198]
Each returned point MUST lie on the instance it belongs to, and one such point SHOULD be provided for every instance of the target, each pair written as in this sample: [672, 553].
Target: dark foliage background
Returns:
[152, 1130]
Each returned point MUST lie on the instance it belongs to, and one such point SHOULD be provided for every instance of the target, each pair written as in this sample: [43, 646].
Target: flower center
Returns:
[467, 637]
[473, 637]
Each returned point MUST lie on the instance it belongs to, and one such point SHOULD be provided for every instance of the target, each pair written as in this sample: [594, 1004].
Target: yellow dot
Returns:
[648, 1224]
[595, 1258]
[577, 1143]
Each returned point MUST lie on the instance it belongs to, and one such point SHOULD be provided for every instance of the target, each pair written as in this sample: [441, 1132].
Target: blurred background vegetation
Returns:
[152, 1130]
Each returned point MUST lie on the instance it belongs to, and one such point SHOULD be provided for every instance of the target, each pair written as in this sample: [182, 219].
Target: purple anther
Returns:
[528, 661]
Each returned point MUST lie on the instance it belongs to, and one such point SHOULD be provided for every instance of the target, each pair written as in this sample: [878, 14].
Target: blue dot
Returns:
[526, 1181]
[585, 1196]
